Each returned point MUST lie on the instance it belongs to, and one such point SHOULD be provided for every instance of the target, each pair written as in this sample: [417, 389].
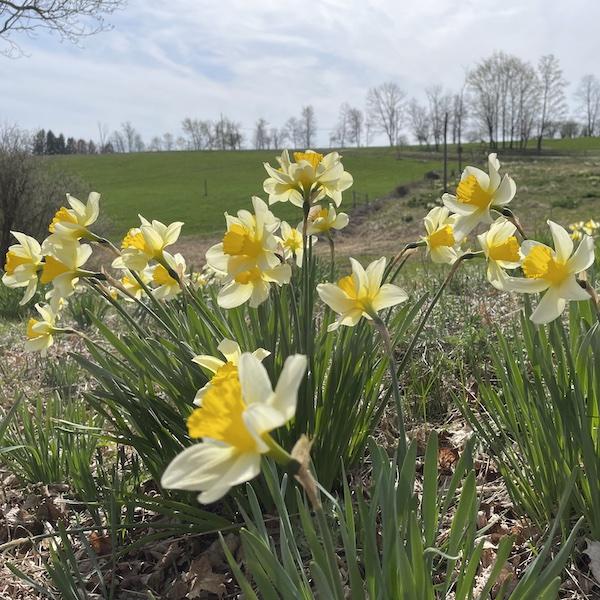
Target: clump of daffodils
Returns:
[582, 228]
[310, 177]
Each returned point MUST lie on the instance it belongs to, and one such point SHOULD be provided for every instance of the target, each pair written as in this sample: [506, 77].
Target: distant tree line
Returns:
[503, 101]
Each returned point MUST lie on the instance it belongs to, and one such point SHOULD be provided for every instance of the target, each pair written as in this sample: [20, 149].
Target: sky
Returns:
[164, 61]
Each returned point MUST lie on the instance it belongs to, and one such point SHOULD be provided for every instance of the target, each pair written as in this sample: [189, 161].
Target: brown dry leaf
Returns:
[204, 579]
[100, 543]
[447, 458]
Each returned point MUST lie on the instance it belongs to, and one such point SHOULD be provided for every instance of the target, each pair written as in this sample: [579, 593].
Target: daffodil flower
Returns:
[248, 242]
[311, 177]
[323, 220]
[292, 243]
[234, 421]
[167, 287]
[477, 193]
[501, 249]
[553, 271]
[40, 332]
[252, 285]
[62, 267]
[23, 262]
[133, 287]
[360, 294]
[247, 257]
[73, 223]
[145, 243]
[232, 352]
[440, 238]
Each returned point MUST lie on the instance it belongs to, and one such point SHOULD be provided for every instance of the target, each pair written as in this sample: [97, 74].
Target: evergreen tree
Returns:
[61, 147]
[91, 147]
[50, 142]
[39, 142]
[82, 147]
[71, 147]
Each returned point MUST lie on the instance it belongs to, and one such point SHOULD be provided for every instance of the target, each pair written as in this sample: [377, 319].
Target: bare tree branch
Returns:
[70, 19]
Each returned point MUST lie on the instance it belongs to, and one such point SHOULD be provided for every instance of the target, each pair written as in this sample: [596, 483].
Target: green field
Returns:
[198, 187]
[170, 186]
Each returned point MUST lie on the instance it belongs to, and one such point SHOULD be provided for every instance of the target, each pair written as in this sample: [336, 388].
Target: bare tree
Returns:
[308, 125]
[277, 138]
[355, 126]
[168, 142]
[385, 105]
[439, 106]
[552, 95]
[569, 129]
[117, 142]
[155, 144]
[70, 19]
[588, 97]
[419, 122]
[483, 81]
[200, 133]
[102, 134]
[293, 132]
[459, 115]
[261, 137]
[340, 133]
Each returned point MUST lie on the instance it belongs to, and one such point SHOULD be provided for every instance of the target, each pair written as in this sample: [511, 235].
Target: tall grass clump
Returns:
[538, 414]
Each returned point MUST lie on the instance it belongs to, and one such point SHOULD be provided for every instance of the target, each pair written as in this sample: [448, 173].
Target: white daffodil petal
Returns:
[286, 391]
[583, 258]
[255, 382]
[389, 295]
[563, 244]
[208, 362]
[549, 308]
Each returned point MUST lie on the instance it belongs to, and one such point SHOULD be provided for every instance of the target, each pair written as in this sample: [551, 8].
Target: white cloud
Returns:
[165, 61]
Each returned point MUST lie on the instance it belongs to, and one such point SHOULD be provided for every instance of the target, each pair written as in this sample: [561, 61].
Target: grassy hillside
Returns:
[170, 186]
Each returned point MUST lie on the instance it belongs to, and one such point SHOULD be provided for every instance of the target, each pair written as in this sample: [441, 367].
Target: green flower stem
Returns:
[510, 215]
[106, 243]
[585, 284]
[281, 456]
[434, 301]
[387, 343]
[400, 256]
[332, 254]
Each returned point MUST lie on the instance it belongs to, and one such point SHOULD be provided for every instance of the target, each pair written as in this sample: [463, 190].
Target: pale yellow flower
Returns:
[441, 239]
[311, 177]
[247, 257]
[501, 248]
[145, 243]
[23, 263]
[478, 193]
[234, 422]
[166, 286]
[73, 223]
[323, 220]
[360, 294]
[232, 352]
[40, 332]
[292, 244]
[62, 267]
[553, 271]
